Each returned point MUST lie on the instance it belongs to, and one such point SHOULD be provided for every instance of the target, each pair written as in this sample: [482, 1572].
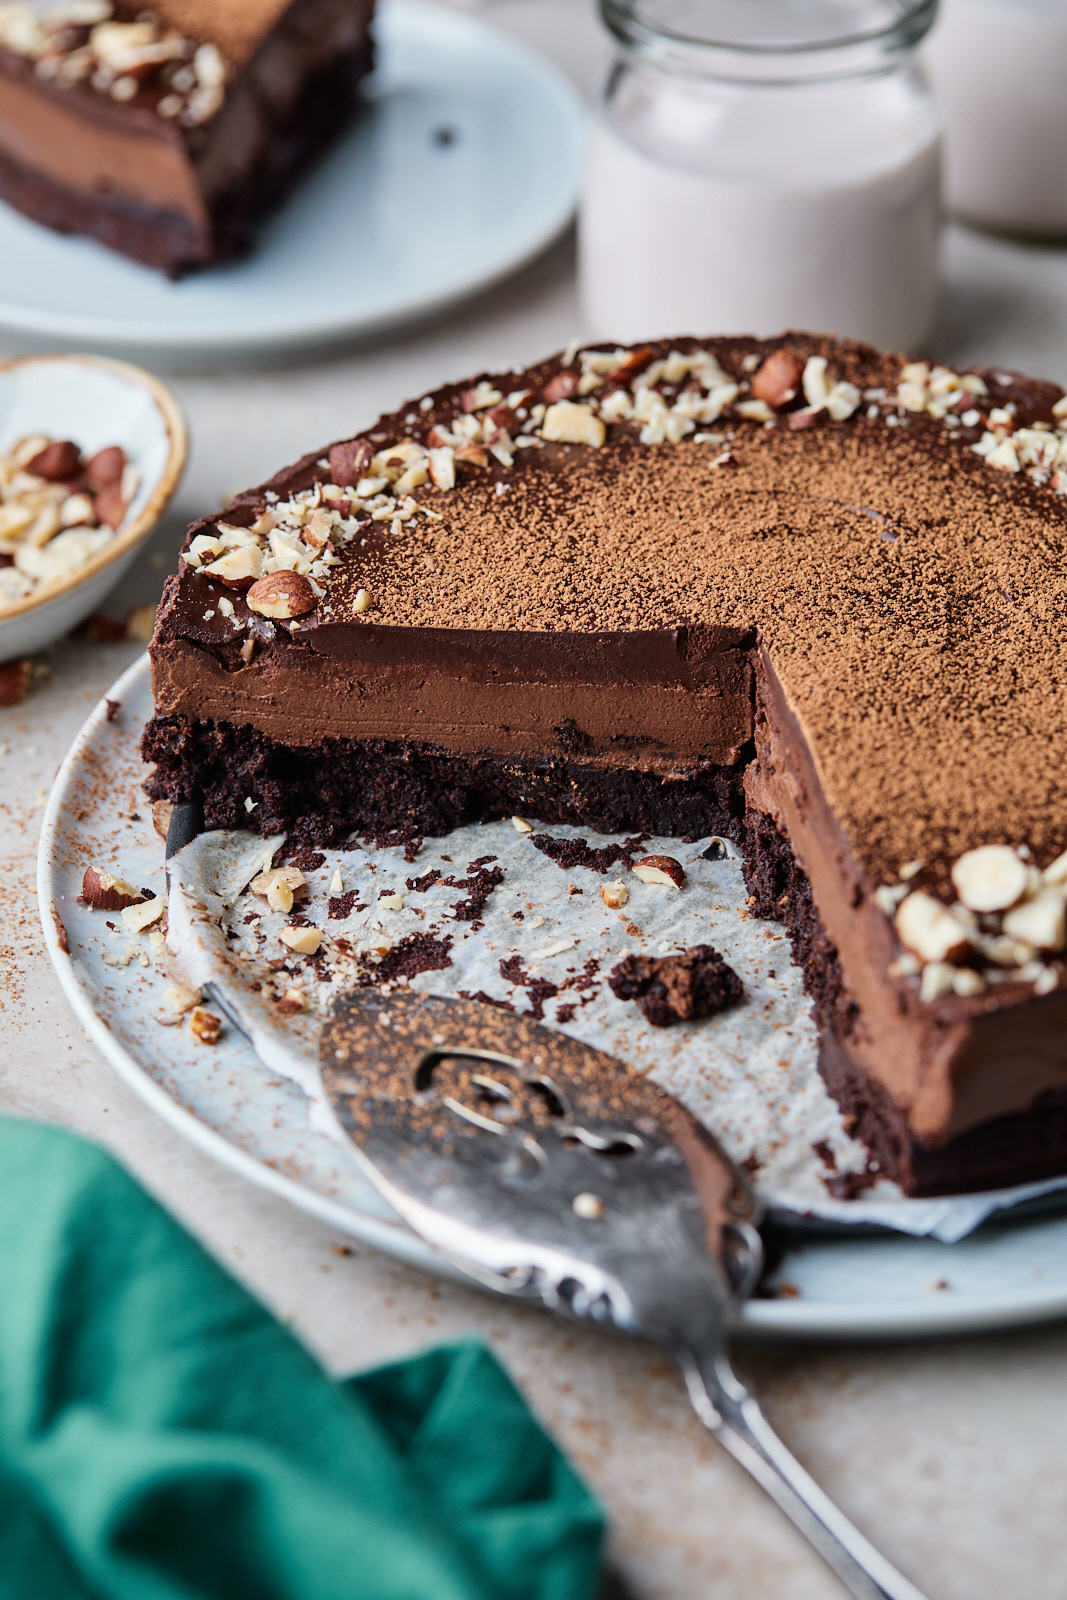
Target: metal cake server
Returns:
[551, 1173]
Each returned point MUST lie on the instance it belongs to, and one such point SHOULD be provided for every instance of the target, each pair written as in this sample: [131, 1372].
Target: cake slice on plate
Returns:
[166, 132]
[796, 592]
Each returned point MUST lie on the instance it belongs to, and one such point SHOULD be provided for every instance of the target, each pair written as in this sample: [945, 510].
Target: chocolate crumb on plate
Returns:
[567, 853]
[418, 952]
[680, 988]
[485, 999]
[480, 885]
[539, 989]
[302, 856]
[342, 905]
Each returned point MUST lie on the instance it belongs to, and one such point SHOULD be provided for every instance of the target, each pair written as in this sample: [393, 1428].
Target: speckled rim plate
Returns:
[464, 164]
[831, 1284]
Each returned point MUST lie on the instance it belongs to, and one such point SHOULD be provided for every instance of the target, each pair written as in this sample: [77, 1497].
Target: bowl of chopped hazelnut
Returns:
[91, 451]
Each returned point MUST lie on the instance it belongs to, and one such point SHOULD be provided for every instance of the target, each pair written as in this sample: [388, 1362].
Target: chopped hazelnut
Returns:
[15, 681]
[104, 892]
[559, 387]
[205, 1026]
[569, 423]
[1056, 871]
[162, 811]
[77, 511]
[143, 913]
[930, 929]
[442, 464]
[991, 878]
[1041, 922]
[937, 980]
[660, 869]
[305, 941]
[279, 885]
[180, 999]
[239, 568]
[778, 379]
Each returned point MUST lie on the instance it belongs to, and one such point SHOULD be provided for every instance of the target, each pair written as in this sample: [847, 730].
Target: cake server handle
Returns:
[728, 1411]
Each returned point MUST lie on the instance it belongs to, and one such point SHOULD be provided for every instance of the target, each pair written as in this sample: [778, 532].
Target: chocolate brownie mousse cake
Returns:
[166, 131]
[794, 592]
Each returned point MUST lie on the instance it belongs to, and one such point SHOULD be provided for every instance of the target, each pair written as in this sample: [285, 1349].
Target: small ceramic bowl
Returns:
[96, 402]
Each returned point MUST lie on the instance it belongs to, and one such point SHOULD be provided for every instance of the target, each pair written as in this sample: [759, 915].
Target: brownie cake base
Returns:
[321, 793]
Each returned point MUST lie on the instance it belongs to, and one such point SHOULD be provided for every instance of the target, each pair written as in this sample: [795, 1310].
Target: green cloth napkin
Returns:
[163, 1437]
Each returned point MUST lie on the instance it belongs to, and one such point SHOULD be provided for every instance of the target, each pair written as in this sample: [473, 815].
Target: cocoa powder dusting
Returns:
[238, 27]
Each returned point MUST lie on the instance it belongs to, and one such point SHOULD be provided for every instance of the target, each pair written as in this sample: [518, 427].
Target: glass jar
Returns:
[1000, 67]
[759, 165]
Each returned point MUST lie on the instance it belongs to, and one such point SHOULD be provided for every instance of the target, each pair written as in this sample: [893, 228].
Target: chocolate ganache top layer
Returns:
[892, 534]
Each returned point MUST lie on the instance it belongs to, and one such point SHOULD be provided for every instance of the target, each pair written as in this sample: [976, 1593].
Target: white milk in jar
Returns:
[1000, 71]
[763, 164]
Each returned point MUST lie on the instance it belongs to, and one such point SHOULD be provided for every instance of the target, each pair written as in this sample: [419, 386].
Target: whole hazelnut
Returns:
[106, 467]
[282, 595]
[58, 461]
[349, 462]
[778, 379]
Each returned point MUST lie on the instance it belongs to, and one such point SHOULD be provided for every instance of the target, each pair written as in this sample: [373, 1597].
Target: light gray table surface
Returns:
[953, 1457]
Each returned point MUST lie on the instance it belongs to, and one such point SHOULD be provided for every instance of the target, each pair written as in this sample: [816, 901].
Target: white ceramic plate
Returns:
[95, 402]
[465, 164]
[832, 1284]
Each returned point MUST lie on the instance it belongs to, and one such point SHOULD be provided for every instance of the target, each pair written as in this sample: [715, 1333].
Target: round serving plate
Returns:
[828, 1282]
[464, 164]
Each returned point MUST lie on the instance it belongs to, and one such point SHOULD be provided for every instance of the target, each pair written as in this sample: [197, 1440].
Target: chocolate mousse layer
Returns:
[795, 591]
[167, 133]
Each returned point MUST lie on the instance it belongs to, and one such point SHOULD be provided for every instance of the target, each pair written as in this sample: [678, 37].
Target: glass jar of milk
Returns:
[1000, 70]
[759, 165]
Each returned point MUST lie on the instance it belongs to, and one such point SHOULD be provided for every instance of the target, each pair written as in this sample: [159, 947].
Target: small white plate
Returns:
[96, 402]
[831, 1284]
[464, 165]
